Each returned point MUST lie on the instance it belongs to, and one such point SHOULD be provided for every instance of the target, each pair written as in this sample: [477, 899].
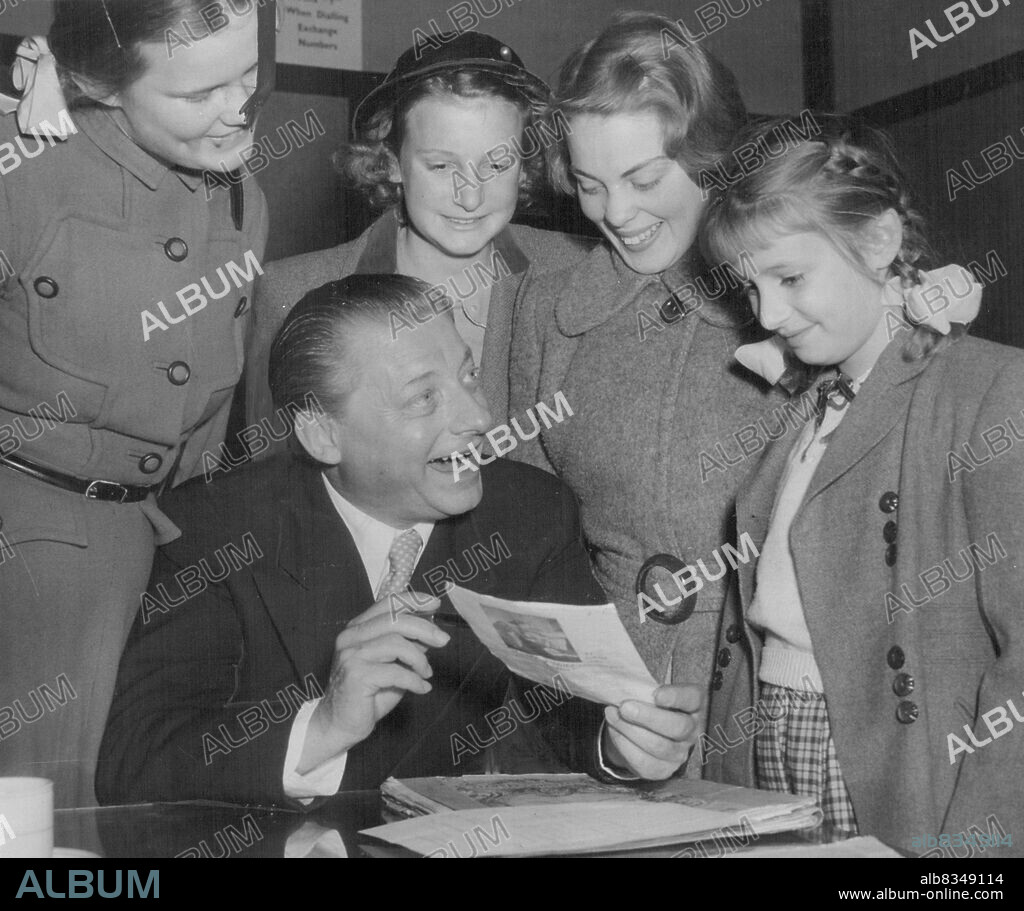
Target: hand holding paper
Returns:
[653, 740]
[649, 730]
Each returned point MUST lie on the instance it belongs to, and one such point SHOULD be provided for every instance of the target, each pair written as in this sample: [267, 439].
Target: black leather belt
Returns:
[108, 491]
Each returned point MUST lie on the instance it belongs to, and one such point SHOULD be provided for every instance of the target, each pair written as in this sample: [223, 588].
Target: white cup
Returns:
[26, 817]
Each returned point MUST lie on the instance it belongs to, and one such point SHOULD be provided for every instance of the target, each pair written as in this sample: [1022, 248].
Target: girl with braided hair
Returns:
[876, 663]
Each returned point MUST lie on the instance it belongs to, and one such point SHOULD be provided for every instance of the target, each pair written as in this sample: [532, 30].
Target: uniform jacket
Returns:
[908, 654]
[652, 399]
[234, 659]
[97, 233]
[525, 251]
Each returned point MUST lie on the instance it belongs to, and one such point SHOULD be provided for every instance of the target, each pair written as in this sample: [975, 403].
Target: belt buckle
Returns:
[114, 492]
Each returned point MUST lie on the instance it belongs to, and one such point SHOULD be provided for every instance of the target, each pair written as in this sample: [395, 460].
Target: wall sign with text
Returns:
[325, 33]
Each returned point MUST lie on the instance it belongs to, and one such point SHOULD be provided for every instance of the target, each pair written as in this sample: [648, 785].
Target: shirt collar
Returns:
[101, 126]
[380, 255]
[372, 538]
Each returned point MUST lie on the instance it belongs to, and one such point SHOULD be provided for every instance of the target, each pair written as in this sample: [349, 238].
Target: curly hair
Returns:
[368, 161]
[638, 63]
[833, 184]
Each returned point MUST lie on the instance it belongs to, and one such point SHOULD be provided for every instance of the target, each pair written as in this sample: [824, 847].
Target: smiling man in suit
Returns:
[287, 673]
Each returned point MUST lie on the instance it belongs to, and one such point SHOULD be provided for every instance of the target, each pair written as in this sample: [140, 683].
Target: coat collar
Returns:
[880, 404]
[603, 285]
[100, 125]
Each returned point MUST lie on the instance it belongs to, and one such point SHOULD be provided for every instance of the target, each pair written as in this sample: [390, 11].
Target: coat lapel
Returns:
[754, 504]
[881, 403]
[498, 337]
[319, 583]
[454, 546]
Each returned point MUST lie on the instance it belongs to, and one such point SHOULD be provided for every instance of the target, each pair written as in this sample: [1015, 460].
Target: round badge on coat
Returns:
[658, 580]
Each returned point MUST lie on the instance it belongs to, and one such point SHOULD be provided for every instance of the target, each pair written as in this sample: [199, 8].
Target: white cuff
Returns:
[313, 840]
[325, 779]
[604, 765]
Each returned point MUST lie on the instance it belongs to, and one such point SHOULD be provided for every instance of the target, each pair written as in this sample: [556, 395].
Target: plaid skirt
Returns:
[795, 753]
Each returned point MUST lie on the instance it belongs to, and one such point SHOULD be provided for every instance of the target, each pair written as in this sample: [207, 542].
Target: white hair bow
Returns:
[42, 108]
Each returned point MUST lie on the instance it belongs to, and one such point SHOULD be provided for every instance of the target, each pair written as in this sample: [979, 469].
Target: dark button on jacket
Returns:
[907, 712]
[178, 373]
[895, 658]
[46, 287]
[903, 685]
[150, 463]
[176, 249]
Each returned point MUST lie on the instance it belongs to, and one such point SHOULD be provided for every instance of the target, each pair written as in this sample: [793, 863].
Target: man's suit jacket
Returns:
[208, 687]
[908, 655]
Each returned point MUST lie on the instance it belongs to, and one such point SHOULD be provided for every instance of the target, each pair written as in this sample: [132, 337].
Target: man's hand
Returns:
[378, 657]
[653, 740]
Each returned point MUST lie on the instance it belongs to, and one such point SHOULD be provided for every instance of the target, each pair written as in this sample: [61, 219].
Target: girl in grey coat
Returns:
[639, 338]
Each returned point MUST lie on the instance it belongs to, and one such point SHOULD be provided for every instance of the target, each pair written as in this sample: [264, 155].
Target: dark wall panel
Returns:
[304, 193]
[980, 220]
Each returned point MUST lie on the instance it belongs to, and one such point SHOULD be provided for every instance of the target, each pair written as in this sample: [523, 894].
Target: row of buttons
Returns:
[724, 656]
[889, 503]
[902, 685]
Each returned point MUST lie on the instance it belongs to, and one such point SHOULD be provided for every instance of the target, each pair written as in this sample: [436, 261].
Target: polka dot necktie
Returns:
[402, 559]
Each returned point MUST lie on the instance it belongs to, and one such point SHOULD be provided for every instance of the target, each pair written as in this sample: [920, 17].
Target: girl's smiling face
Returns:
[185, 109]
[642, 200]
[829, 311]
[460, 191]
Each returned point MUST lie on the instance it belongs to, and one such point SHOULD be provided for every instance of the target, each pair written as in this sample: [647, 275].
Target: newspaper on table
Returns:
[585, 646]
[574, 814]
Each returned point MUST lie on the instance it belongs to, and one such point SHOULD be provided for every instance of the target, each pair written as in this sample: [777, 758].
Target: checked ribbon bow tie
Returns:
[836, 392]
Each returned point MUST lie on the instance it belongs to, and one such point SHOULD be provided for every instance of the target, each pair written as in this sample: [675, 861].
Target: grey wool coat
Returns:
[909, 556]
[649, 396]
[524, 250]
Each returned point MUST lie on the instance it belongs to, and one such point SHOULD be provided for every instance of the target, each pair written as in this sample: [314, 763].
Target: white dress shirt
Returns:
[373, 540]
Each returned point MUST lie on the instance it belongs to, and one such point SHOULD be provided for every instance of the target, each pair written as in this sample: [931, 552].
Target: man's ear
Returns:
[882, 239]
[320, 435]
